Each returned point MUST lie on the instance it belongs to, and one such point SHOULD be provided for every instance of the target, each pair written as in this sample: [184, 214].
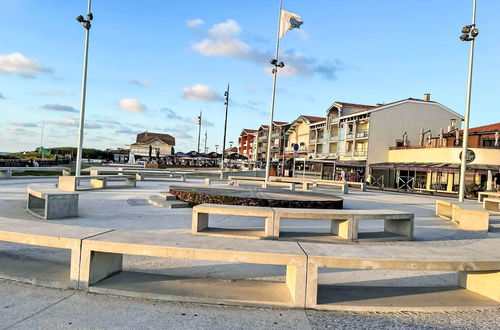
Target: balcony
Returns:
[349, 136]
[334, 138]
[360, 154]
[275, 135]
[262, 138]
[334, 120]
[362, 134]
[312, 141]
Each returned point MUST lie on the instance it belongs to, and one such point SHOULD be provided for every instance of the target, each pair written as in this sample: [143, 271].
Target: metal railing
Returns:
[362, 134]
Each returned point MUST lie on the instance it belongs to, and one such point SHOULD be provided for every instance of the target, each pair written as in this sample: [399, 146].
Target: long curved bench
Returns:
[47, 202]
[97, 257]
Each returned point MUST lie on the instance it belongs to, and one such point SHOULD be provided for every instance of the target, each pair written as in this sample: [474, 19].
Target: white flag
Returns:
[289, 21]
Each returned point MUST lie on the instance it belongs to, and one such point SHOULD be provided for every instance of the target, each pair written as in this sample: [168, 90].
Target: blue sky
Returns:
[154, 64]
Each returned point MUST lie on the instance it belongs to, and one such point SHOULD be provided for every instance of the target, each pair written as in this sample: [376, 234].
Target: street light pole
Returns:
[469, 33]
[86, 24]
[226, 103]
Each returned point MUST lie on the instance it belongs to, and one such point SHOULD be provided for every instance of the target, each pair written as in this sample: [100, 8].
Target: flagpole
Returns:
[271, 115]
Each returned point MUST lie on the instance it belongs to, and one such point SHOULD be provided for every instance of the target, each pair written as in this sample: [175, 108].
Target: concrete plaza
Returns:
[25, 306]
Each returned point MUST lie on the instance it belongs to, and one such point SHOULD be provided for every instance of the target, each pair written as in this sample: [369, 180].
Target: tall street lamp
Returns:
[86, 24]
[469, 33]
[226, 104]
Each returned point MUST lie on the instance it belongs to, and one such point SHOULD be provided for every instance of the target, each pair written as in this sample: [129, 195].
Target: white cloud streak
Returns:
[17, 63]
[131, 105]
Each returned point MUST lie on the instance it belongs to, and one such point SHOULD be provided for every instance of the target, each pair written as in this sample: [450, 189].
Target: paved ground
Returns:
[24, 306]
[28, 307]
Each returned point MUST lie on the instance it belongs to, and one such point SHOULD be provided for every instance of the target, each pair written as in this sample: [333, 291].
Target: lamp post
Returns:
[86, 24]
[469, 33]
[226, 103]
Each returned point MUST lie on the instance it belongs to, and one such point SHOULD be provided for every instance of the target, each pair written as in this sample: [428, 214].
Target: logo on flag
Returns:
[289, 21]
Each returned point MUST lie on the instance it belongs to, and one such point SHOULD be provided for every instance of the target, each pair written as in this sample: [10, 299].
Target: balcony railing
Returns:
[349, 136]
[275, 135]
[334, 120]
[262, 138]
[359, 153]
[334, 138]
[362, 134]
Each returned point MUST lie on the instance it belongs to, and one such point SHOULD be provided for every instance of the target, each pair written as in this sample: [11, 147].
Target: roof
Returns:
[147, 137]
[247, 131]
[313, 119]
[485, 129]
[355, 105]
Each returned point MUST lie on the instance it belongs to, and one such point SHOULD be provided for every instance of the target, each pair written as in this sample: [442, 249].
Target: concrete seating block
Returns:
[101, 258]
[5, 173]
[46, 235]
[72, 183]
[444, 209]
[486, 194]
[47, 202]
[491, 204]
[288, 185]
[200, 216]
[471, 219]
[485, 283]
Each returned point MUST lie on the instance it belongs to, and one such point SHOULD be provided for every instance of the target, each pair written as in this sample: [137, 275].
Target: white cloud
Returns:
[200, 92]
[54, 92]
[131, 105]
[17, 63]
[23, 124]
[192, 23]
[59, 107]
[140, 82]
[222, 40]
[71, 121]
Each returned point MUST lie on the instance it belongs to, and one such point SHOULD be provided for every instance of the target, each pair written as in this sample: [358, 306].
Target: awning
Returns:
[438, 167]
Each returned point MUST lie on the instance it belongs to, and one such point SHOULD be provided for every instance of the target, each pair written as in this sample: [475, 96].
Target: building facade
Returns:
[160, 144]
[434, 166]
[245, 142]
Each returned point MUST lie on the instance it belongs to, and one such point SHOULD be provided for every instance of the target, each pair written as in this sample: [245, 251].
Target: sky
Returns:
[155, 64]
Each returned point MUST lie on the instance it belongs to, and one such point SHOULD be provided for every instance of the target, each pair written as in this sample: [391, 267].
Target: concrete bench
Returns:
[478, 272]
[444, 209]
[475, 220]
[344, 187]
[470, 219]
[47, 202]
[486, 194]
[6, 172]
[345, 223]
[44, 272]
[237, 183]
[139, 175]
[73, 183]
[492, 204]
[102, 256]
[287, 185]
[248, 178]
[200, 216]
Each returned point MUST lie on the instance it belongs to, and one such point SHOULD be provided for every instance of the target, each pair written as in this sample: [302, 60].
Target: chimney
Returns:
[427, 97]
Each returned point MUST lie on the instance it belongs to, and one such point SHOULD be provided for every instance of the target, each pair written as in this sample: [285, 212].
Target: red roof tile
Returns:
[314, 119]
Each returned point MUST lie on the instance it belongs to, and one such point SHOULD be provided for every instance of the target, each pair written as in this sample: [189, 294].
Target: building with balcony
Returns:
[299, 133]
[434, 166]
[245, 142]
[356, 135]
[277, 141]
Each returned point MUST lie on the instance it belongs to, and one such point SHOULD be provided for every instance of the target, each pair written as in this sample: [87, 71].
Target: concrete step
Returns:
[156, 200]
[167, 196]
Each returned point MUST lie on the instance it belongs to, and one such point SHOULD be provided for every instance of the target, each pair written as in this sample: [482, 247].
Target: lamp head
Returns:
[90, 16]
[466, 29]
[273, 61]
[465, 37]
[474, 33]
[281, 64]
[80, 18]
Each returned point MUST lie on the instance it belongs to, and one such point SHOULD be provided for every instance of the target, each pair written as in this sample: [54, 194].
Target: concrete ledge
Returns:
[492, 204]
[486, 194]
[47, 235]
[465, 219]
[72, 183]
[444, 209]
[401, 258]
[100, 259]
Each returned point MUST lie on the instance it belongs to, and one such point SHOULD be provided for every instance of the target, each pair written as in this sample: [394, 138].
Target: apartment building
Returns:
[246, 141]
[299, 133]
[277, 141]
